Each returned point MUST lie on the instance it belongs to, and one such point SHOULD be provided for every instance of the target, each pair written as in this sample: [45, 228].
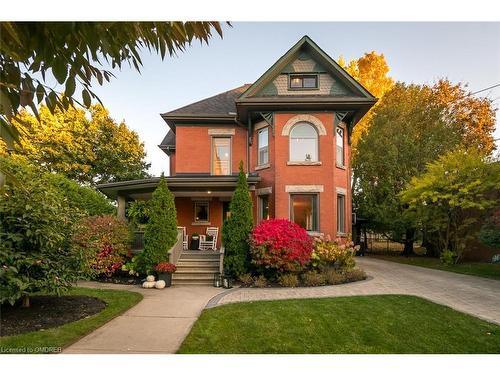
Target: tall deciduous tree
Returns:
[75, 55]
[89, 147]
[412, 126]
[451, 197]
[237, 227]
[372, 71]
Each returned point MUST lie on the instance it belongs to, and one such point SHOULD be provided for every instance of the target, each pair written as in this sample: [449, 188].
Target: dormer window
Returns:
[303, 81]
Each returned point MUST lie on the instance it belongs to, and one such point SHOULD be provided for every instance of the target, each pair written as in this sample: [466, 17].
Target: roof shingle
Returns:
[218, 105]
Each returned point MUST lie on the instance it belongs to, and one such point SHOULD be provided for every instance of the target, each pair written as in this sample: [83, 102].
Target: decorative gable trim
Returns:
[304, 118]
[322, 60]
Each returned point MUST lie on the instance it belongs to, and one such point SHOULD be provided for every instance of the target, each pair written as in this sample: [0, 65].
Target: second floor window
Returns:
[340, 146]
[263, 146]
[221, 156]
[303, 143]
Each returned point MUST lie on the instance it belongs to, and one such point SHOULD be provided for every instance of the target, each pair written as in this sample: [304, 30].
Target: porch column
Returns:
[120, 212]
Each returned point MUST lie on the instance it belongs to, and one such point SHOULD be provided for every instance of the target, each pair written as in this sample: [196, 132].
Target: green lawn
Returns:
[488, 270]
[365, 324]
[117, 302]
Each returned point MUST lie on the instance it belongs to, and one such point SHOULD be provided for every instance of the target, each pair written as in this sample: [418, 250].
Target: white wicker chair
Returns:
[185, 238]
[209, 244]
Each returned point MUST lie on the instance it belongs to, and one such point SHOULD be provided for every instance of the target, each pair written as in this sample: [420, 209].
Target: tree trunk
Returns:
[26, 301]
[410, 238]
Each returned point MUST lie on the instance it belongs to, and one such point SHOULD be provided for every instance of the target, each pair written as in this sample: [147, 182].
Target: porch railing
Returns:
[175, 252]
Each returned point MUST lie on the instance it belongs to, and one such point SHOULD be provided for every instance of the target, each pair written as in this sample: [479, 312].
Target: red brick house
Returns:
[291, 128]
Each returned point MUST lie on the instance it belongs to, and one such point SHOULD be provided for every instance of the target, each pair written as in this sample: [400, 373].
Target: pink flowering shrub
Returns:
[280, 245]
[103, 243]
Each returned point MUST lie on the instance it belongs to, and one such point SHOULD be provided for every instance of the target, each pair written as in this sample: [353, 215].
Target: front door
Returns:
[225, 210]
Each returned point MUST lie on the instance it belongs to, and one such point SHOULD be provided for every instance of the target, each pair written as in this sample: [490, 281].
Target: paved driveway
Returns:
[473, 295]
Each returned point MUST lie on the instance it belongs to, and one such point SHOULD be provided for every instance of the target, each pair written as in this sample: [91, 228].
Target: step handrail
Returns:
[175, 251]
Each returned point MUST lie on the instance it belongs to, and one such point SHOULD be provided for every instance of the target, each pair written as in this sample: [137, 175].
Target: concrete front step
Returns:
[211, 270]
[196, 267]
[200, 264]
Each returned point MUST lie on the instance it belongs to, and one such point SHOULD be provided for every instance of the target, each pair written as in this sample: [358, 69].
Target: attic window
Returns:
[303, 81]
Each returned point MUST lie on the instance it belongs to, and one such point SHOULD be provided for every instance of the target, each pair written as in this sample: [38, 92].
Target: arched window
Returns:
[303, 142]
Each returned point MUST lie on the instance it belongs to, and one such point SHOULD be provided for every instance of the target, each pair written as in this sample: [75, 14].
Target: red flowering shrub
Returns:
[103, 243]
[280, 245]
[165, 267]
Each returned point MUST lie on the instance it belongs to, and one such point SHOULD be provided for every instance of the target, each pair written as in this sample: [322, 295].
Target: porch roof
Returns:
[190, 185]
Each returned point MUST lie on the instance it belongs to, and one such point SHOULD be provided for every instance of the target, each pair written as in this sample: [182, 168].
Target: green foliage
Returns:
[87, 146]
[138, 212]
[451, 197]
[36, 221]
[160, 233]
[388, 157]
[448, 257]
[103, 243]
[237, 228]
[75, 55]
[490, 231]
[84, 198]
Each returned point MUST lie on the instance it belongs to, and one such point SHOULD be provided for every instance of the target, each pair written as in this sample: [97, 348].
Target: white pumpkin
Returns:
[150, 278]
[160, 284]
[148, 284]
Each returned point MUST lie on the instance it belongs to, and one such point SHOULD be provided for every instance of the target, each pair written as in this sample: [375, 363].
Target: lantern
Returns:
[227, 282]
[217, 280]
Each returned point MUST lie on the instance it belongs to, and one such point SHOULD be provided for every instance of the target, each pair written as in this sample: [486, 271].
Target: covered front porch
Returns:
[201, 201]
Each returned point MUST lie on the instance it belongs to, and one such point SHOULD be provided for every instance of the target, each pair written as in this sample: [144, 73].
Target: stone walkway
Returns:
[157, 324]
[473, 295]
[161, 321]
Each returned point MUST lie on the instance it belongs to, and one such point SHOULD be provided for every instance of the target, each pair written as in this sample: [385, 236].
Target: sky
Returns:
[417, 52]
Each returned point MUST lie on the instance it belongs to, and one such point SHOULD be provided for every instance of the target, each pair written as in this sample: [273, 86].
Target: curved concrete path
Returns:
[161, 321]
[470, 294]
[157, 324]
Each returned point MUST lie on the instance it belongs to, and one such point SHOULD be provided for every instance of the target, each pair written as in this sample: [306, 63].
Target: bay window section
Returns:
[221, 156]
[304, 211]
[263, 147]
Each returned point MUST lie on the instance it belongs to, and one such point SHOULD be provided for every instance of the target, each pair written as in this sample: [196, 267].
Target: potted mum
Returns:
[165, 271]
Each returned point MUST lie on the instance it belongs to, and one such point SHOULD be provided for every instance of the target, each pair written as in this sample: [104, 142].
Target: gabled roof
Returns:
[306, 44]
[218, 107]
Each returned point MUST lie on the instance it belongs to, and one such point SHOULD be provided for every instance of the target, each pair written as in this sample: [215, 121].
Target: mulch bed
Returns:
[46, 312]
